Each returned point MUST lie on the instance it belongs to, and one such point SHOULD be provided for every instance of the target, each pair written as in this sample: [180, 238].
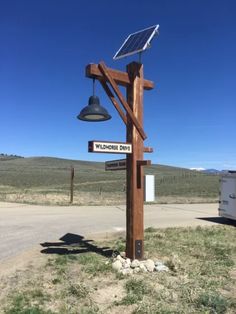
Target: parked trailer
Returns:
[227, 207]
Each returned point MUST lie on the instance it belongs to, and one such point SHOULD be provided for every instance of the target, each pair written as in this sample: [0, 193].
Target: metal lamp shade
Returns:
[94, 112]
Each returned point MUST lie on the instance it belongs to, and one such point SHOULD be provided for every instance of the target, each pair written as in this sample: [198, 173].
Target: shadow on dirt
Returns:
[74, 244]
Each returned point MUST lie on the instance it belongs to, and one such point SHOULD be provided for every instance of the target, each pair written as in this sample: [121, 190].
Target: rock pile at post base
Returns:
[127, 267]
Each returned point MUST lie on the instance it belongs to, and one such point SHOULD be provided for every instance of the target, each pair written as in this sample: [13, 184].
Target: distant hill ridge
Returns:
[8, 157]
[213, 171]
[45, 160]
[63, 162]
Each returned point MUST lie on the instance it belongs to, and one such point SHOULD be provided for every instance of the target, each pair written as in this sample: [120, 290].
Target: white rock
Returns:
[126, 264]
[150, 265]
[119, 258]
[161, 268]
[126, 271]
[135, 263]
[137, 270]
[122, 254]
[117, 265]
[143, 268]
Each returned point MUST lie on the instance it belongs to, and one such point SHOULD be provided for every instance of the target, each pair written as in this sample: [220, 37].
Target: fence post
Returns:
[72, 174]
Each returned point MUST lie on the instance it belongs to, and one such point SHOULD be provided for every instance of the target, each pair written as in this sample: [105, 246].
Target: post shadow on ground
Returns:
[74, 244]
[219, 220]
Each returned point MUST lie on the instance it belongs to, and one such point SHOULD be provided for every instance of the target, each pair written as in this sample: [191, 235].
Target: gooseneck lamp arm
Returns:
[93, 86]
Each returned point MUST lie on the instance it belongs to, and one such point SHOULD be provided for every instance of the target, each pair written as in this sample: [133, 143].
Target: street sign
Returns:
[115, 164]
[109, 147]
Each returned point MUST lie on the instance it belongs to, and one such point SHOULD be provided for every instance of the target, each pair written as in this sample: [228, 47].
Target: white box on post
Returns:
[149, 188]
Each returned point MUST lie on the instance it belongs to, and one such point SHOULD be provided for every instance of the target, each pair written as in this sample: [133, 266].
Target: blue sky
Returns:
[190, 115]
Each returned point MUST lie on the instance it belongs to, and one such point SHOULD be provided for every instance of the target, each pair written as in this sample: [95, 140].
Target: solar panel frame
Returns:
[126, 50]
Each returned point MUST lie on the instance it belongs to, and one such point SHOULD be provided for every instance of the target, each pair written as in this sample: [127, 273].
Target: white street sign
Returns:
[109, 147]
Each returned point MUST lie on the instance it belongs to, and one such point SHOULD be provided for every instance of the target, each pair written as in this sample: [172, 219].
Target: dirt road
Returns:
[24, 226]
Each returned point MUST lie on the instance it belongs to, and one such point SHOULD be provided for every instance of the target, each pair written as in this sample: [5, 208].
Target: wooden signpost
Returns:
[131, 112]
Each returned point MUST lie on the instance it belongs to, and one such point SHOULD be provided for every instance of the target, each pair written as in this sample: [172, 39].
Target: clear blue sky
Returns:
[190, 115]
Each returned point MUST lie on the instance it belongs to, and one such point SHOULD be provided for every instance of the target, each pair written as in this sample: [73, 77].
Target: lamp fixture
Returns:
[94, 112]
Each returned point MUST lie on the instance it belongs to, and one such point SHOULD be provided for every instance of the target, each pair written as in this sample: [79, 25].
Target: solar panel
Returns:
[137, 42]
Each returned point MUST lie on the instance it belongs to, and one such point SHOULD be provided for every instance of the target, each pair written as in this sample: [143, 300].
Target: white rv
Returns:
[227, 207]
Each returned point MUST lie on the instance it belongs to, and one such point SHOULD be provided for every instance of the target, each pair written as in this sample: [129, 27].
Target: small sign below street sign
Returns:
[109, 147]
[115, 164]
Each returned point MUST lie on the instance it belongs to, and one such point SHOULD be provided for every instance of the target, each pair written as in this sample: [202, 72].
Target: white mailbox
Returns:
[149, 188]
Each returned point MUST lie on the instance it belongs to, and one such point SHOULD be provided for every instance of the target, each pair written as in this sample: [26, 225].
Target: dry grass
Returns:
[55, 197]
[47, 181]
[201, 278]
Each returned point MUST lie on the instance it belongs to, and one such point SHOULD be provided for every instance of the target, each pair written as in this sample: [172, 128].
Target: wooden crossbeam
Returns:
[143, 163]
[140, 164]
[121, 78]
[113, 100]
[121, 98]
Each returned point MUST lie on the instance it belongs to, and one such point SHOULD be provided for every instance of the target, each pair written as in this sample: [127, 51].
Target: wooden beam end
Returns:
[148, 150]
[144, 163]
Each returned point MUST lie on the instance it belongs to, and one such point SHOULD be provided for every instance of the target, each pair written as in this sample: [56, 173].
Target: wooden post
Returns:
[134, 202]
[72, 174]
[135, 84]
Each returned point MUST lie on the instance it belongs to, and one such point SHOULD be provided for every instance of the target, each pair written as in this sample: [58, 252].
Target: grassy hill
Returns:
[47, 180]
